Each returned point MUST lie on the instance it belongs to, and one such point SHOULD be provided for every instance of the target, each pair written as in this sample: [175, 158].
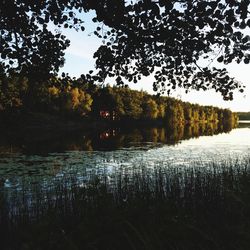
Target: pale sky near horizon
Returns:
[79, 59]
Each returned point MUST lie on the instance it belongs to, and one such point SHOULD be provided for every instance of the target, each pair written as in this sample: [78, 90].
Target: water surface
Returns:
[116, 149]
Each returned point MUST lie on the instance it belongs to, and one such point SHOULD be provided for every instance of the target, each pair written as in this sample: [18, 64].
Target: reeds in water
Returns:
[206, 206]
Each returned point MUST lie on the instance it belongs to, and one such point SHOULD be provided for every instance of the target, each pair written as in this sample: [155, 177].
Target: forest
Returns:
[74, 98]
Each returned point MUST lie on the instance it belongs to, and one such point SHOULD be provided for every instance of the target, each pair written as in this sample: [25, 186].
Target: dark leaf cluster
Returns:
[164, 38]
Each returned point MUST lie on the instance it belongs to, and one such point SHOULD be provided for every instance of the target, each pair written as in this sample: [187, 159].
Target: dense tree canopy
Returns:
[76, 99]
[166, 38]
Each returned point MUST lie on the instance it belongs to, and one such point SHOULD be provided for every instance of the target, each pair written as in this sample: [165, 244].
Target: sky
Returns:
[79, 59]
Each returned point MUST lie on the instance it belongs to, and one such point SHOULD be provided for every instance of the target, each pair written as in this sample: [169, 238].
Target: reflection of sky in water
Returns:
[17, 168]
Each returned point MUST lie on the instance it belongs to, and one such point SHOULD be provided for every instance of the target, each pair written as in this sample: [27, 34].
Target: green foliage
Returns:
[150, 109]
[74, 96]
[69, 100]
[76, 100]
[12, 90]
[161, 110]
[125, 103]
[132, 103]
[175, 112]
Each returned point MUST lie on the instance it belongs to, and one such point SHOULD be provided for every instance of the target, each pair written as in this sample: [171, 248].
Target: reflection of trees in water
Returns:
[111, 139]
[244, 125]
[166, 135]
[175, 134]
[151, 135]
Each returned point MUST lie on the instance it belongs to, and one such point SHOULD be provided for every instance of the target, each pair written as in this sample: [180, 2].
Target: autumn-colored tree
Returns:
[12, 90]
[150, 109]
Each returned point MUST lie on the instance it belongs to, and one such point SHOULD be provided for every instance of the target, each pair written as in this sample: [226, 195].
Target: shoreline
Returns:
[34, 128]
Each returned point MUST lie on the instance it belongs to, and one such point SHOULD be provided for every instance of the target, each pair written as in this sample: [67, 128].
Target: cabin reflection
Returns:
[107, 134]
[114, 138]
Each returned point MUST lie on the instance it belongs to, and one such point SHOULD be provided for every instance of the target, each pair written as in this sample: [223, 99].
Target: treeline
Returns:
[243, 115]
[75, 97]
[127, 104]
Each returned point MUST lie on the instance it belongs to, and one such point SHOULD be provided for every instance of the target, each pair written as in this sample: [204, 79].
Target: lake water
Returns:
[83, 156]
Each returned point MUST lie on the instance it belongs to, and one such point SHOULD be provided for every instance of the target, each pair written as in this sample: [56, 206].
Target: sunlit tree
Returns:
[150, 109]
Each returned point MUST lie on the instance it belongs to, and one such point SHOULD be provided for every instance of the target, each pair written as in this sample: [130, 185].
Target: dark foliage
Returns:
[167, 38]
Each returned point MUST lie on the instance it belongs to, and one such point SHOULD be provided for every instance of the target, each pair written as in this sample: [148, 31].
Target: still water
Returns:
[22, 165]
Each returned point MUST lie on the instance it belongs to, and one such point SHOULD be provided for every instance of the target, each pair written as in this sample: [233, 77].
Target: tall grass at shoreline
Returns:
[206, 206]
